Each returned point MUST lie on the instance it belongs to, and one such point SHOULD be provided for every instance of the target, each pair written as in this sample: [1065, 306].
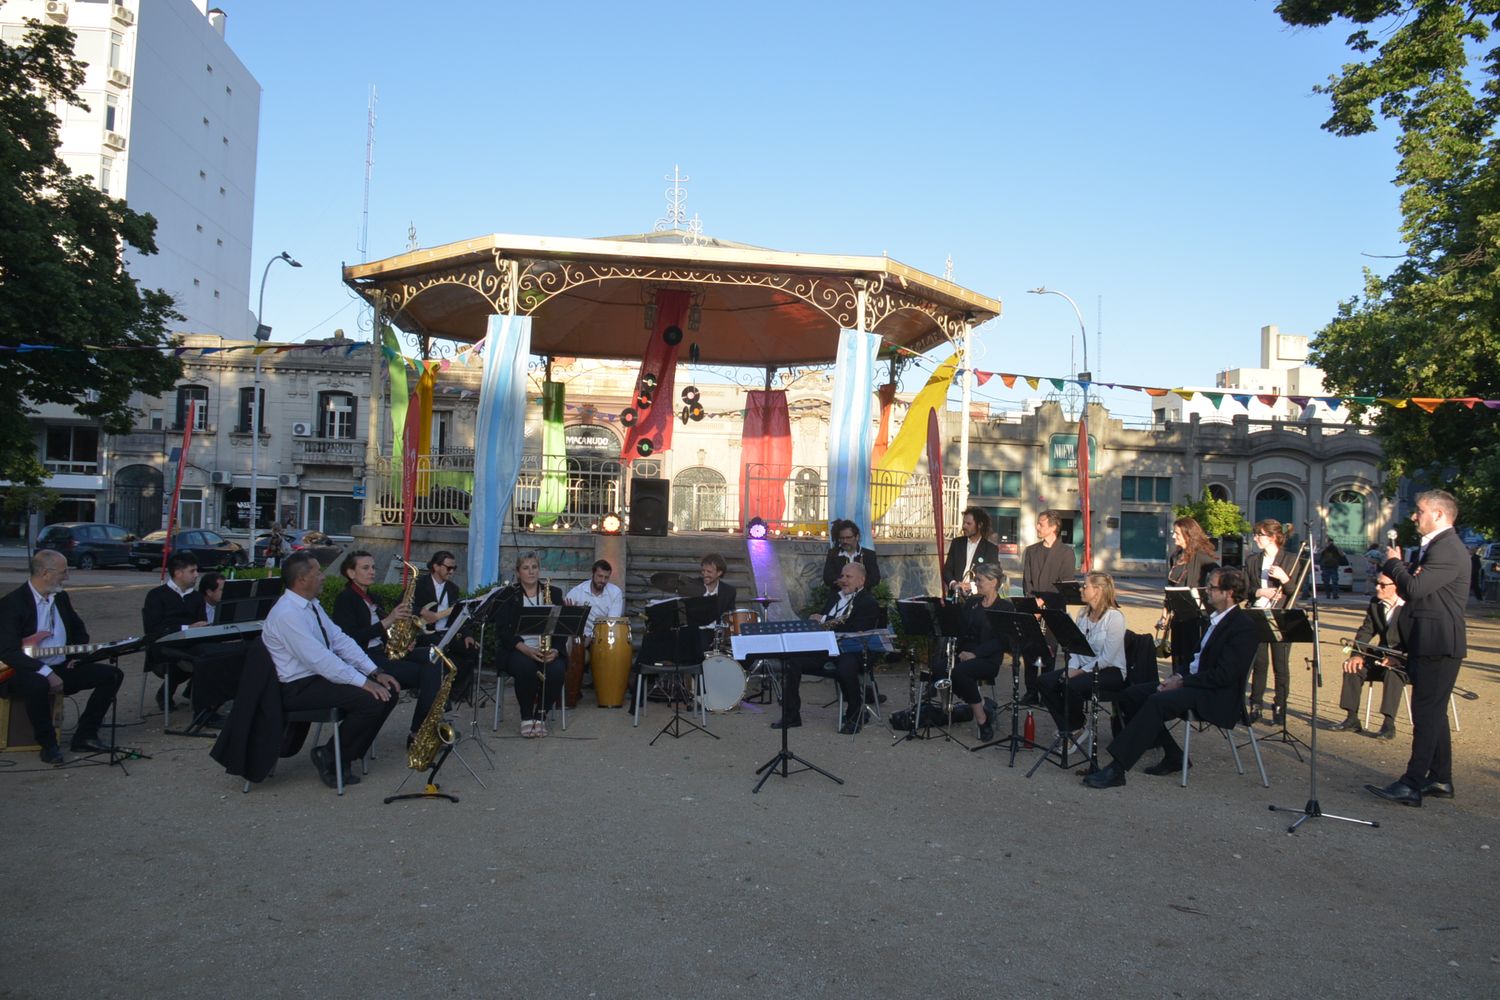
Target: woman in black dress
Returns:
[1191, 561]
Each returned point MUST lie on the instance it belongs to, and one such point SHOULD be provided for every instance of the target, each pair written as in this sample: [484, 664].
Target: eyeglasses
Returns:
[1380, 584]
[450, 567]
[848, 538]
[1212, 586]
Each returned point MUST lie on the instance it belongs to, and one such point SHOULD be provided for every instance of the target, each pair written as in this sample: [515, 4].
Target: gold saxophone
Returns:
[401, 637]
[434, 732]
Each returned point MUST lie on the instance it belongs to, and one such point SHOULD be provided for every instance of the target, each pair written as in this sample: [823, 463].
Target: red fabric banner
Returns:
[935, 473]
[654, 422]
[190, 418]
[887, 395]
[766, 456]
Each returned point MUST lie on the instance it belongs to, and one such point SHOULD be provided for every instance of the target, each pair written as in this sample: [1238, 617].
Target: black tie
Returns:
[319, 619]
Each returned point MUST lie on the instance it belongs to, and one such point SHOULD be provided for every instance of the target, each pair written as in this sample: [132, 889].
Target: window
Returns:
[1346, 520]
[116, 46]
[331, 513]
[190, 507]
[1140, 535]
[1275, 502]
[442, 431]
[336, 411]
[1146, 489]
[111, 112]
[995, 483]
[247, 403]
[186, 395]
[106, 169]
[72, 449]
[1006, 522]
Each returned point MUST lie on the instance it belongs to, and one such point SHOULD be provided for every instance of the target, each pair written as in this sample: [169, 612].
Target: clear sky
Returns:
[1163, 159]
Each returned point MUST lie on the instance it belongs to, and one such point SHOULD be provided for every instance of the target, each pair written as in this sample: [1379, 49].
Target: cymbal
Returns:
[765, 600]
[666, 580]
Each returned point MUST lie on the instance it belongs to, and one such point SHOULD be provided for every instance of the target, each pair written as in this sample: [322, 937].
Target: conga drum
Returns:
[573, 678]
[610, 655]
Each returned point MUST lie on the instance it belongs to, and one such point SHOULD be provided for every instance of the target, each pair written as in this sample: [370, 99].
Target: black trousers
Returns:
[1390, 698]
[364, 714]
[1147, 712]
[413, 674]
[845, 673]
[1079, 689]
[35, 693]
[968, 673]
[1432, 680]
[524, 670]
[1280, 657]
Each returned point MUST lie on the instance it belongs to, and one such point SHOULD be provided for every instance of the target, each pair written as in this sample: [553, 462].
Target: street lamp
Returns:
[262, 334]
[1084, 378]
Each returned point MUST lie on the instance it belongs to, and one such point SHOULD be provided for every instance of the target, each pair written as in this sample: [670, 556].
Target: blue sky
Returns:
[1165, 158]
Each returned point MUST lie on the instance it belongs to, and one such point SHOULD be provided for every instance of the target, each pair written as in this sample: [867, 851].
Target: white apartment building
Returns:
[1283, 372]
[171, 127]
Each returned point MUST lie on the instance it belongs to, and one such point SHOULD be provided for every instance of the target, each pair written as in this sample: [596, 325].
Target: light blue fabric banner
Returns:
[852, 429]
[498, 437]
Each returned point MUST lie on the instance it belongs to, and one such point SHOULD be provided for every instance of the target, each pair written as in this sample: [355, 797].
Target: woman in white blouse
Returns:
[1103, 625]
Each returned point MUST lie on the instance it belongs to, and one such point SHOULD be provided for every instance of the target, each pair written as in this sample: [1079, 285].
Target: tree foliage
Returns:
[1431, 328]
[62, 281]
[1216, 517]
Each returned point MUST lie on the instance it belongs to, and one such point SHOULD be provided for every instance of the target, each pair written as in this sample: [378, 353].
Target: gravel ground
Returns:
[594, 865]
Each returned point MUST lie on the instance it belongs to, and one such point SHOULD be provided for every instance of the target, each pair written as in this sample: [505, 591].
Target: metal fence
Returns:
[806, 509]
[594, 487]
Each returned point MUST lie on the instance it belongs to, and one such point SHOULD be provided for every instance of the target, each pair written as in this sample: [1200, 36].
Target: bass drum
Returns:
[723, 683]
[609, 659]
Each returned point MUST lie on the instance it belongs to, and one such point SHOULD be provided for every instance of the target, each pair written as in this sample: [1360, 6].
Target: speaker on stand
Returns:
[648, 506]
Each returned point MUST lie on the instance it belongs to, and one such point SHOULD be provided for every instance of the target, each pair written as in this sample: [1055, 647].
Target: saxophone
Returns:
[434, 732]
[401, 637]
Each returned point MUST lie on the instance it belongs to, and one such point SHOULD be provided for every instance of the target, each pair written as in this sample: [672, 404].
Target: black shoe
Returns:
[323, 761]
[987, 729]
[88, 744]
[53, 756]
[350, 778]
[787, 722]
[1437, 789]
[1348, 724]
[1255, 714]
[882, 699]
[849, 727]
[1108, 776]
[1397, 791]
[1031, 699]
[1166, 766]
[1278, 718]
[1387, 730]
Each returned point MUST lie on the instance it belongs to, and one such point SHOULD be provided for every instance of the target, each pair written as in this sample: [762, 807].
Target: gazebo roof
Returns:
[588, 297]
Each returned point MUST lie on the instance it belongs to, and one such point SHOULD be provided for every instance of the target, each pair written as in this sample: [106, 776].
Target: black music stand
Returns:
[1023, 631]
[483, 610]
[1070, 640]
[784, 758]
[117, 754]
[1287, 625]
[1186, 604]
[938, 620]
[672, 644]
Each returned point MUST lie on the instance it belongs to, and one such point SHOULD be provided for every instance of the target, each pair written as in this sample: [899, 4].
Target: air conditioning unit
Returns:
[221, 478]
[123, 14]
[119, 78]
[288, 479]
[57, 10]
[114, 140]
[302, 429]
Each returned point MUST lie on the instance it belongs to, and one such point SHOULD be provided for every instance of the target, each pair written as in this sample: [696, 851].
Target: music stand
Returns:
[481, 609]
[784, 758]
[939, 620]
[1023, 632]
[118, 755]
[1283, 625]
[1070, 592]
[1069, 639]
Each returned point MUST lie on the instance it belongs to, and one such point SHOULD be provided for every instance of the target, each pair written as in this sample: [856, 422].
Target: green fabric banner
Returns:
[395, 365]
[553, 498]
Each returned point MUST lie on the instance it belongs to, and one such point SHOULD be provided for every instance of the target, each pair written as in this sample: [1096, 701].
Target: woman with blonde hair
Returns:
[1103, 625]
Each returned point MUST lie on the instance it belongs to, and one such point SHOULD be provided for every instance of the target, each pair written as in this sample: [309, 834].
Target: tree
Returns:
[1431, 328]
[24, 501]
[1216, 517]
[63, 286]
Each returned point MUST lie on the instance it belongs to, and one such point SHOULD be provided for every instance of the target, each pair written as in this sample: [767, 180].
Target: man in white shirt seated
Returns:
[321, 667]
[604, 599]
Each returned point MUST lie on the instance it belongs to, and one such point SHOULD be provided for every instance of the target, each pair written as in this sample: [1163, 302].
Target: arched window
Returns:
[137, 500]
[1275, 501]
[1219, 492]
[807, 491]
[336, 415]
[1346, 520]
[699, 500]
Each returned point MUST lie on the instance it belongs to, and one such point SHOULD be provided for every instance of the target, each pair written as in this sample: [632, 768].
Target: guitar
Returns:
[31, 647]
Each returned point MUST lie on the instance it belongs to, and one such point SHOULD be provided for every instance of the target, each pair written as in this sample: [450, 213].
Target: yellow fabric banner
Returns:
[900, 459]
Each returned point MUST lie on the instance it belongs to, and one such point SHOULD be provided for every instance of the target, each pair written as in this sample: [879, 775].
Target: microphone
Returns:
[1390, 536]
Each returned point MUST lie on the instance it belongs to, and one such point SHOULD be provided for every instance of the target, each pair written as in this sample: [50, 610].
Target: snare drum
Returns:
[723, 683]
[739, 617]
[609, 659]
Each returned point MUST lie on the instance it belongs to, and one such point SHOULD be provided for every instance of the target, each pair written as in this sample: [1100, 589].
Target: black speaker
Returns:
[648, 506]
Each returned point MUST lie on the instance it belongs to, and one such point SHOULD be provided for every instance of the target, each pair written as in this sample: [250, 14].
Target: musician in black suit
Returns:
[171, 607]
[1188, 565]
[1385, 626]
[967, 551]
[1268, 574]
[433, 600]
[846, 549]
[1046, 565]
[851, 609]
[1436, 592]
[980, 651]
[40, 605]
[360, 615]
[1212, 688]
[713, 569]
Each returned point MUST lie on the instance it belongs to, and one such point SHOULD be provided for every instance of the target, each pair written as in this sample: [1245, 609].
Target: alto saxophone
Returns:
[401, 637]
[434, 732]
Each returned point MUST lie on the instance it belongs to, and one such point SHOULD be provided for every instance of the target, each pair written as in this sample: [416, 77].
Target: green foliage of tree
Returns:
[1216, 517]
[1431, 328]
[62, 280]
[23, 501]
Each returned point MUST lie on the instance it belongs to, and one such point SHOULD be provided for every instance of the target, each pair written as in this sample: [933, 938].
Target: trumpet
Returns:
[1353, 647]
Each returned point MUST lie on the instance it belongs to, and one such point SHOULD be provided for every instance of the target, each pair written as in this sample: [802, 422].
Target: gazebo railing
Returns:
[805, 507]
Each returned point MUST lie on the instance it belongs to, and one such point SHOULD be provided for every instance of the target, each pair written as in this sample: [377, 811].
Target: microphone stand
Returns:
[1313, 810]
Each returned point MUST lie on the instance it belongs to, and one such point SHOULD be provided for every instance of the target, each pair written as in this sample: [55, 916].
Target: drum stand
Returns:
[674, 725]
[784, 759]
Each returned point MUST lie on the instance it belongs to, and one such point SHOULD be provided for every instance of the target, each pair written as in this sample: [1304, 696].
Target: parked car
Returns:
[321, 545]
[213, 550]
[1489, 569]
[86, 544]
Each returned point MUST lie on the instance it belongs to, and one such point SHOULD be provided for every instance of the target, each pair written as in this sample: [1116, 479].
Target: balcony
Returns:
[328, 451]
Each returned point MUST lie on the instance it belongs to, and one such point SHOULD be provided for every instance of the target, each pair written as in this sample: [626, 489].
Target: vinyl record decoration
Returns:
[628, 417]
[690, 394]
[672, 335]
[644, 447]
[643, 399]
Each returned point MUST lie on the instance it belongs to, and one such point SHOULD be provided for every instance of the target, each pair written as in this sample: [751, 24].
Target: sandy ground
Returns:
[594, 865]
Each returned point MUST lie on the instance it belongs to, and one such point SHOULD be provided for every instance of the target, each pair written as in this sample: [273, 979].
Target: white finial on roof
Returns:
[676, 217]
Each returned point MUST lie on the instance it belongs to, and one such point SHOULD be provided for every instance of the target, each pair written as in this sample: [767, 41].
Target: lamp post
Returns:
[1084, 378]
[262, 334]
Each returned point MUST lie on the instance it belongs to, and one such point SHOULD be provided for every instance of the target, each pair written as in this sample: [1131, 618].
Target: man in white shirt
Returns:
[321, 667]
[604, 599]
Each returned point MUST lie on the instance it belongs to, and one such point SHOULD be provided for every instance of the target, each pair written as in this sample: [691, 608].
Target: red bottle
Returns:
[1030, 731]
